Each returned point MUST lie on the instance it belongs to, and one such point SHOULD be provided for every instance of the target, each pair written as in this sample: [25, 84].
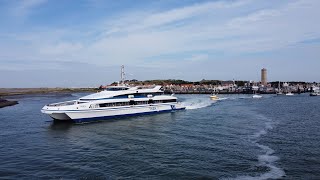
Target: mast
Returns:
[122, 75]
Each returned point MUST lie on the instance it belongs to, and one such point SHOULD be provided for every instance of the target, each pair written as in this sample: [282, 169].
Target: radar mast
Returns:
[122, 75]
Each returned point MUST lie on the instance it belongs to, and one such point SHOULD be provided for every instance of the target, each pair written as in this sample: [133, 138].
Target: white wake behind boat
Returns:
[114, 101]
[256, 96]
[289, 94]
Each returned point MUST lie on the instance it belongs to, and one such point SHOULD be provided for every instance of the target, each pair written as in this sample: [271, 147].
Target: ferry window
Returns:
[113, 104]
[121, 96]
[132, 102]
[106, 105]
[103, 105]
[156, 94]
[141, 102]
[169, 100]
[116, 89]
[150, 101]
[137, 95]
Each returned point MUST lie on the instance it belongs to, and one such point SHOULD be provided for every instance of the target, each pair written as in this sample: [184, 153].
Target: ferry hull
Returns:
[91, 119]
[59, 116]
[80, 116]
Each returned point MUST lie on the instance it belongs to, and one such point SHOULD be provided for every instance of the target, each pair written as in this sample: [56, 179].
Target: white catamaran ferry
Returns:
[114, 101]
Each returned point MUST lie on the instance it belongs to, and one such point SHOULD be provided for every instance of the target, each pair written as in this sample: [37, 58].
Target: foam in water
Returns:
[200, 102]
[197, 103]
[222, 98]
[267, 159]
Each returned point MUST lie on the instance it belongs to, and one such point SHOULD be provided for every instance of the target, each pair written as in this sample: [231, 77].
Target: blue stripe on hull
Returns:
[122, 115]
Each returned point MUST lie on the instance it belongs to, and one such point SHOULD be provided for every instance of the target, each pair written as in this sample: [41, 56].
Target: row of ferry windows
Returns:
[117, 89]
[132, 103]
[138, 95]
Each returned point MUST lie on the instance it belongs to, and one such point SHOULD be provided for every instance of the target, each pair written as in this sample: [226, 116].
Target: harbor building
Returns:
[264, 77]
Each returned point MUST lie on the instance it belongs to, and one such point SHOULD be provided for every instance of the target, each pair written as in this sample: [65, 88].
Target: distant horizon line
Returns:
[96, 86]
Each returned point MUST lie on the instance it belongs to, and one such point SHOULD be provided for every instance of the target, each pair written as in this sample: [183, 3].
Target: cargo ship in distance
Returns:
[114, 101]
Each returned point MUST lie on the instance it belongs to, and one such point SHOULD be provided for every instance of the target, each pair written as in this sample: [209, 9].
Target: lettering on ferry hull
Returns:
[153, 108]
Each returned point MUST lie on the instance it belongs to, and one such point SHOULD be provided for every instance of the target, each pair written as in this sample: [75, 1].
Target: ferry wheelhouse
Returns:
[114, 101]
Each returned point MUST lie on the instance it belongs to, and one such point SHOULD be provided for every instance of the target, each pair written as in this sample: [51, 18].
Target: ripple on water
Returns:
[268, 159]
[215, 139]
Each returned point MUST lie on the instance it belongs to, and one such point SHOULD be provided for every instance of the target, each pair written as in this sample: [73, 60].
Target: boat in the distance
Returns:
[315, 94]
[256, 96]
[315, 91]
[114, 101]
[214, 97]
[279, 92]
[289, 94]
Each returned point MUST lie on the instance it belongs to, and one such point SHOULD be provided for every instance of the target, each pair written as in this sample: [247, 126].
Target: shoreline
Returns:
[27, 91]
[9, 92]
[33, 91]
[222, 92]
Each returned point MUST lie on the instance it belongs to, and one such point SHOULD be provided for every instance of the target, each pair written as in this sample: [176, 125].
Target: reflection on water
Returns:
[61, 125]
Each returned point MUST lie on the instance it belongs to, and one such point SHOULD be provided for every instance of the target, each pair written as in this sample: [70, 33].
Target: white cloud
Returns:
[231, 27]
[258, 31]
[184, 13]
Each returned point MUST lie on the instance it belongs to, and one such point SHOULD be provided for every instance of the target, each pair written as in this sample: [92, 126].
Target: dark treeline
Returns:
[180, 82]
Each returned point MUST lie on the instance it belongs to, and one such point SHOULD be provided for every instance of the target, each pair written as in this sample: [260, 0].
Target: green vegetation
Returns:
[176, 82]
[180, 82]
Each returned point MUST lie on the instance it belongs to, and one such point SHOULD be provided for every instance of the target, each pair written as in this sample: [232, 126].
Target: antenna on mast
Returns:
[122, 75]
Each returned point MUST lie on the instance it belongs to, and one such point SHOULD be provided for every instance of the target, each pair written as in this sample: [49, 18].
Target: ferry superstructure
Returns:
[114, 101]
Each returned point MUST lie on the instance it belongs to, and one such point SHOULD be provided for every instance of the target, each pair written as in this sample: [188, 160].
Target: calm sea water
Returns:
[235, 138]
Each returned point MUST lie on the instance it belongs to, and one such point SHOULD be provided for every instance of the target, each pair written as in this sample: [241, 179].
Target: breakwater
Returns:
[4, 103]
[25, 91]
[8, 93]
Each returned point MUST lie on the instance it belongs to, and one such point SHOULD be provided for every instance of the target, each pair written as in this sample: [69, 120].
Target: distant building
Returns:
[264, 77]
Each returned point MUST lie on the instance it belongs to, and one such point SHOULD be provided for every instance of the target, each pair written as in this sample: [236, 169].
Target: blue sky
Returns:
[46, 43]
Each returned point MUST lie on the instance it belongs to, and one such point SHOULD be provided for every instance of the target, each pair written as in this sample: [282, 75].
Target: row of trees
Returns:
[180, 82]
